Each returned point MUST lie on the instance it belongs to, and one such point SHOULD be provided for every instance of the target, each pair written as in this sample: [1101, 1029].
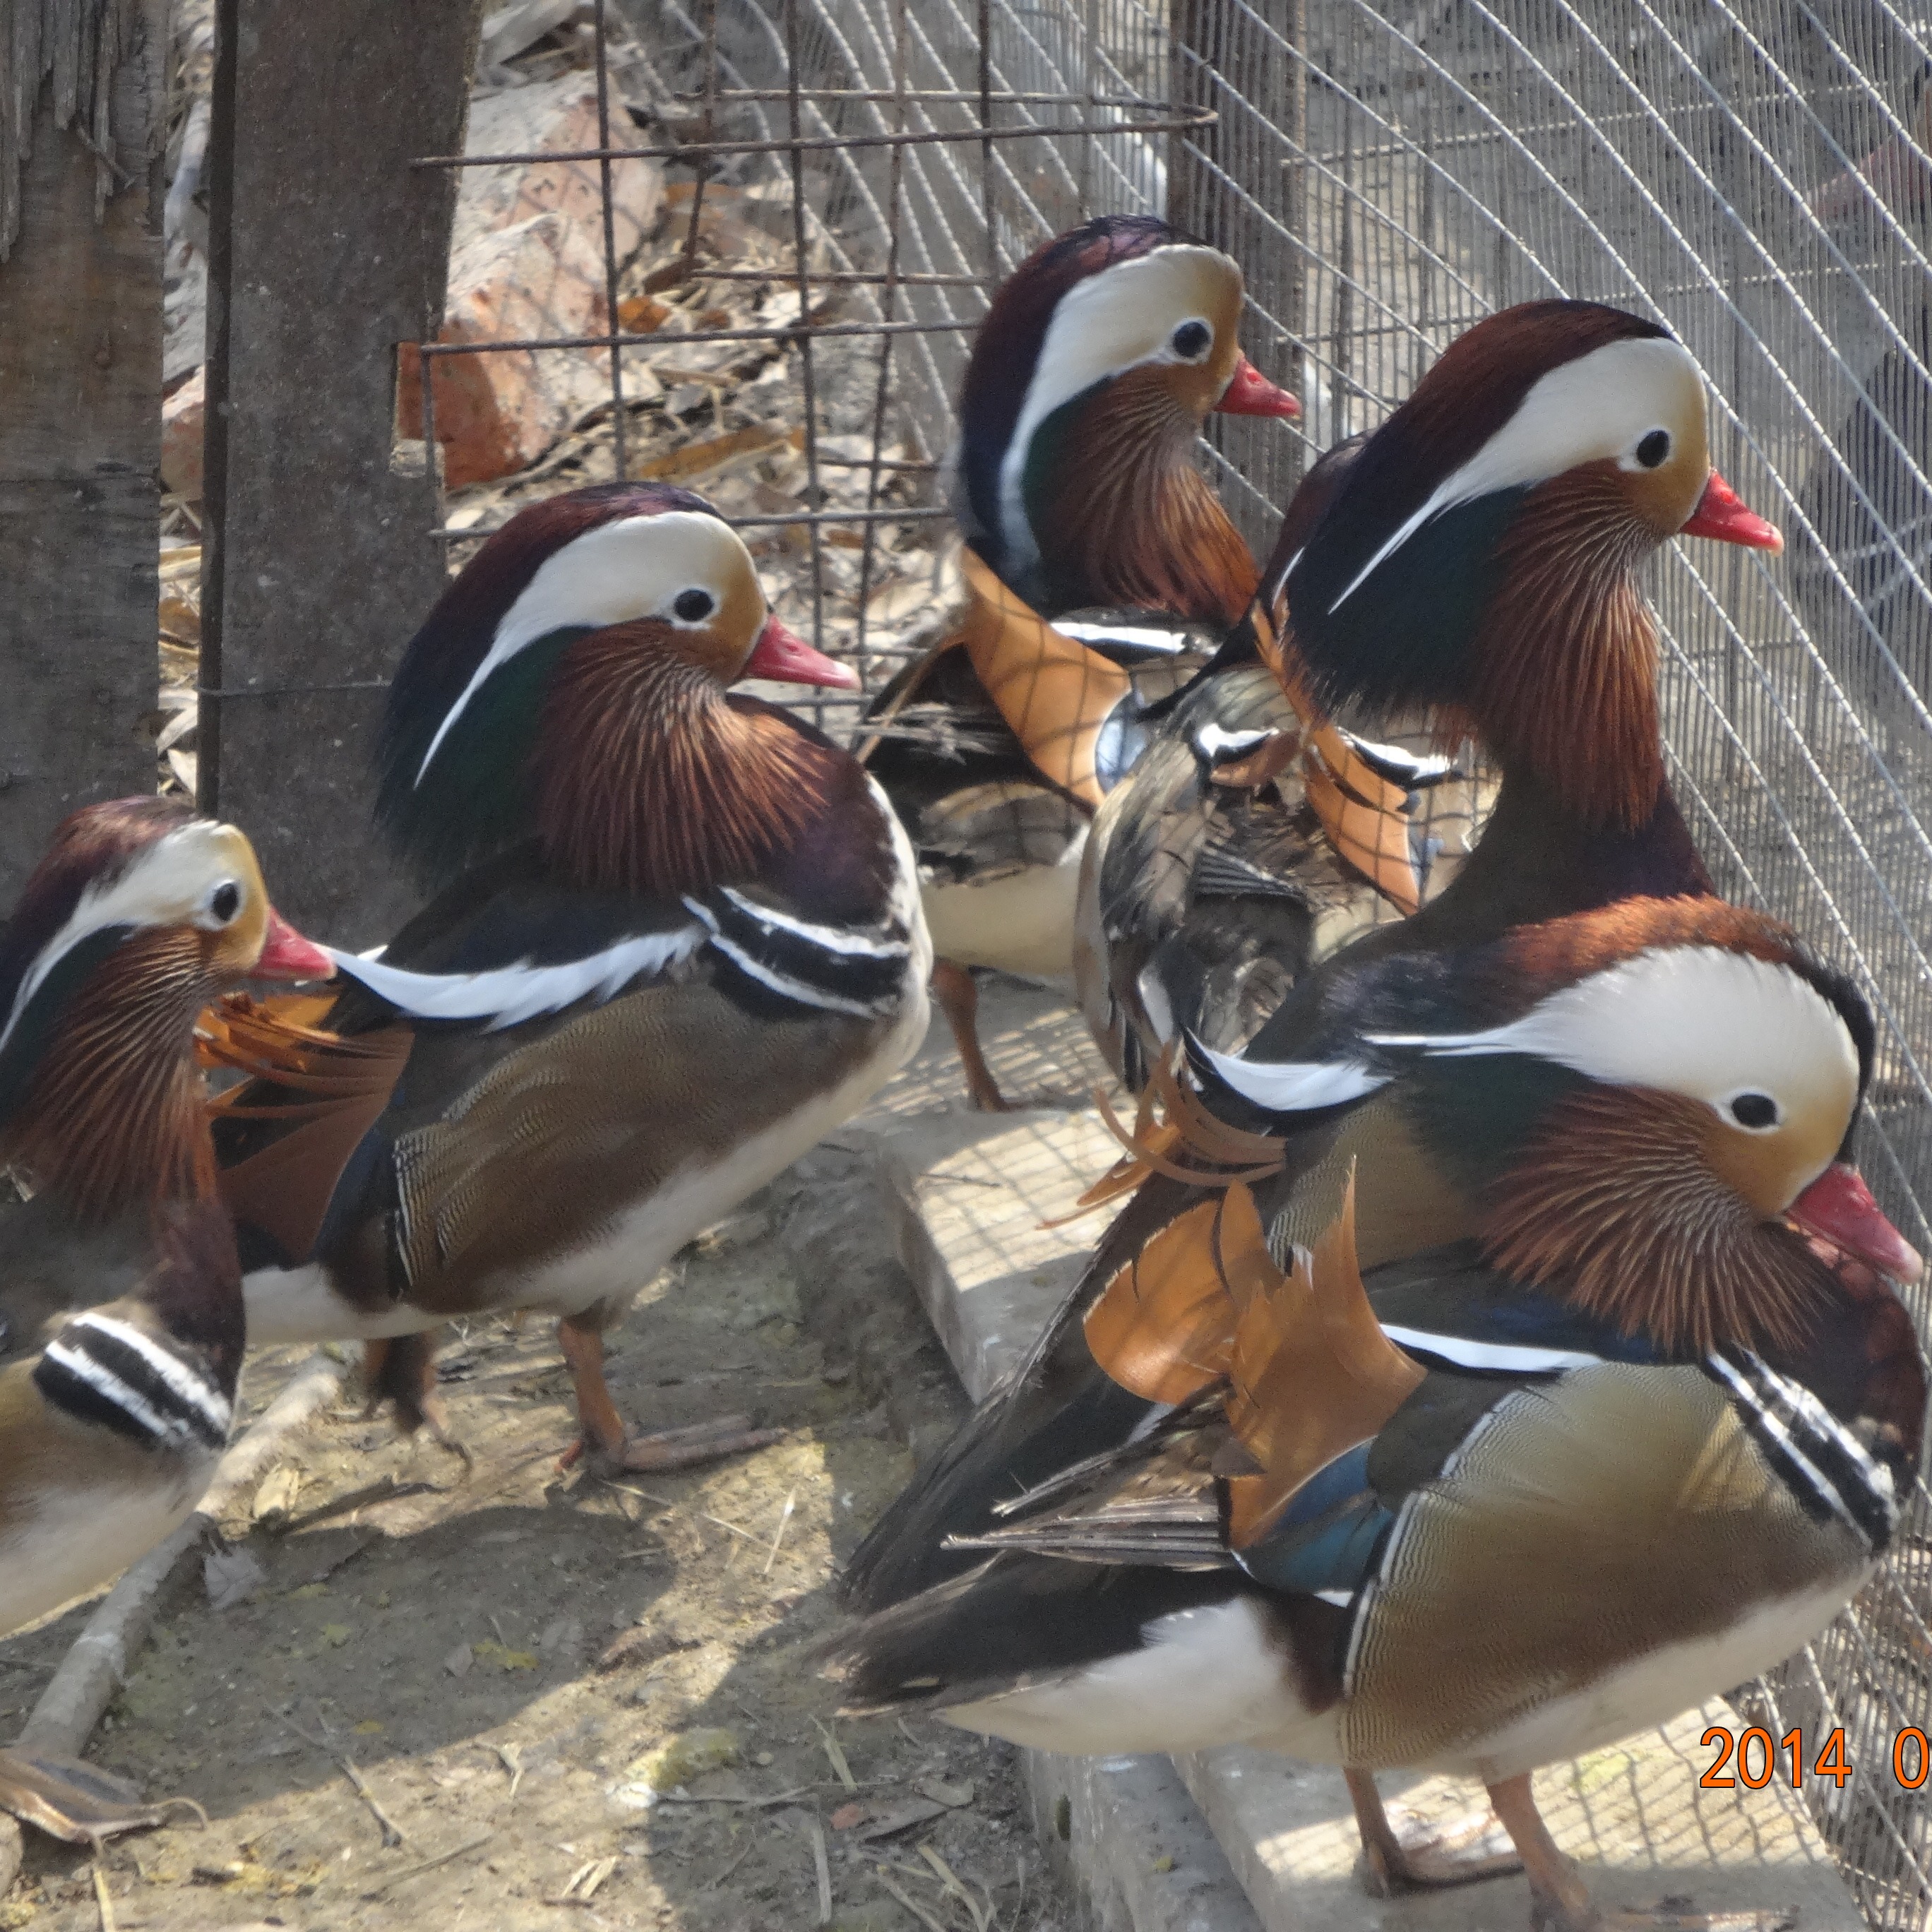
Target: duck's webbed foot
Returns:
[1407, 1853]
[607, 1447]
[1559, 1900]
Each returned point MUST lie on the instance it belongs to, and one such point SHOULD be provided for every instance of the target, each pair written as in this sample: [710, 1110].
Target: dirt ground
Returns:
[512, 1661]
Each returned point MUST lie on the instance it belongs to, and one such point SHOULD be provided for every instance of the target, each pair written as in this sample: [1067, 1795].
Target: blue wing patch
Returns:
[1325, 1542]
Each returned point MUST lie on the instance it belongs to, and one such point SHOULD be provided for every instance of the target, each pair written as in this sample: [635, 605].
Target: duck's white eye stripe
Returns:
[1115, 319]
[1697, 1020]
[1583, 411]
[625, 569]
[161, 885]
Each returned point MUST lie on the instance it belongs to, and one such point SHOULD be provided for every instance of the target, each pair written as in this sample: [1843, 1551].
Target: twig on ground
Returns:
[664, 1502]
[422, 1865]
[104, 1899]
[392, 1832]
[712, 1884]
[699, 1798]
[821, 1866]
[906, 1899]
[834, 1754]
[981, 1915]
[784, 1517]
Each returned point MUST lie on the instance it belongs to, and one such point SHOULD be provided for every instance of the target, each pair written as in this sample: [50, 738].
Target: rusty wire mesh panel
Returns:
[1386, 174]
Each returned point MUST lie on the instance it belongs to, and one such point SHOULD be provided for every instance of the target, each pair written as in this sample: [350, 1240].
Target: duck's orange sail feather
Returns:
[1311, 1373]
[342, 1084]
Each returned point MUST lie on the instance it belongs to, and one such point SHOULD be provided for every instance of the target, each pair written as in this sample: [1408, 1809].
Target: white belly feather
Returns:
[1022, 922]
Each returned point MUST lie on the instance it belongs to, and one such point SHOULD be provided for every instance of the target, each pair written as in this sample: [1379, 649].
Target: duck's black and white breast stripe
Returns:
[843, 969]
[109, 1372]
[1826, 1467]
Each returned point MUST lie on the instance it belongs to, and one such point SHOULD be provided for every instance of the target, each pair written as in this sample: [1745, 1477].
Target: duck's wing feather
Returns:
[484, 1046]
[1304, 1457]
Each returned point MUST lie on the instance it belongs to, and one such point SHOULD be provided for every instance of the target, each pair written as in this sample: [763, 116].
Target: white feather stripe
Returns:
[160, 886]
[1825, 1490]
[1215, 741]
[1169, 643]
[833, 938]
[797, 989]
[1597, 407]
[1702, 1021]
[1293, 1086]
[628, 568]
[191, 1388]
[1819, 1420]
[505, 994]
[1520, 1358]
[110, 1388]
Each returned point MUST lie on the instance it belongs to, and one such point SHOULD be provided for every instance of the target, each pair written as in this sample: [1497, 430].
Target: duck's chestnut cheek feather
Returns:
[782, 655]
[1250, 393]
[1838, 1207]
[1720, 513]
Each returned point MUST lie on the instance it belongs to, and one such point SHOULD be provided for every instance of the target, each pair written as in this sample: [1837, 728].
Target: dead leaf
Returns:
[951, 1795]
[891, 1819]
[504, 1658]
[638, 315]
[230, 1577]
[71, 1799]
[276, 1498]
[694, 459]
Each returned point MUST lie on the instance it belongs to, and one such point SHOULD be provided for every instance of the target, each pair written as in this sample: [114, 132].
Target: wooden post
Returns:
[326, 251]
[80, 407]
[1197, 203]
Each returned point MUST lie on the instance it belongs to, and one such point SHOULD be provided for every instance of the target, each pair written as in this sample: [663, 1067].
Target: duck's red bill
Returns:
[1720, 513]
[1250, 393]
[782, 655]
[286, 955]
[1838, 1207]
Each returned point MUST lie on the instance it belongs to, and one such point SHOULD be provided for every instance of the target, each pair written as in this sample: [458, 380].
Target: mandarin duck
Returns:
[1486, 542]
[1100, 566]
[1630, 1439]
[110, 1429]
[1476, 559]
[675, 938]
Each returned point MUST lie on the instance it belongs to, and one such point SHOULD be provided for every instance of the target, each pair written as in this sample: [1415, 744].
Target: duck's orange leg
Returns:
[1471, 1845]
[609, 1446]
[959, 1000]
[1559, 1900]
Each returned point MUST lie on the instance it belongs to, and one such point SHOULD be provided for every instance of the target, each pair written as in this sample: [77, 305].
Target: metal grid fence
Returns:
[1386, 171]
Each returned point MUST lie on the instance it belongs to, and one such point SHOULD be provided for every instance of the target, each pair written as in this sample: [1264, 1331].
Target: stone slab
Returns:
[1631, 1815]
[971, 1193]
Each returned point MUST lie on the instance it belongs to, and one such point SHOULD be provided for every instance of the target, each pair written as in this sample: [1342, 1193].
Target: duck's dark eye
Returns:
[1192, 341]
[1654, 449]
[693, 607]
[226, 902]
[1754, 1110]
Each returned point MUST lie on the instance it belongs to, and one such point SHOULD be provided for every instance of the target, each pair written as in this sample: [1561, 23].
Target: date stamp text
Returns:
[1753, 1758]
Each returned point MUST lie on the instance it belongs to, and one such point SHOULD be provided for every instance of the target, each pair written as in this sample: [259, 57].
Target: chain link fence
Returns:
[1753, 173]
